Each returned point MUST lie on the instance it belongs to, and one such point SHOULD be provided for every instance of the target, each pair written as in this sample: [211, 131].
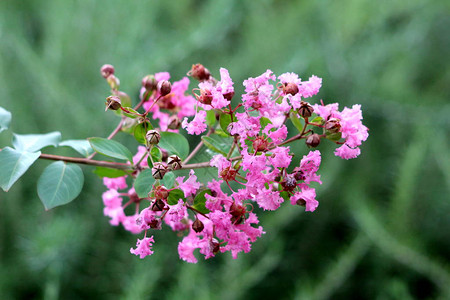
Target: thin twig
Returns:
[87, 161]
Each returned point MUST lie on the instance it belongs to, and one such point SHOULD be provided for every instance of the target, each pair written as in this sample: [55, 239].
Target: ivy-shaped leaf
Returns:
[35, 142]
[81, 146]
[13, 164]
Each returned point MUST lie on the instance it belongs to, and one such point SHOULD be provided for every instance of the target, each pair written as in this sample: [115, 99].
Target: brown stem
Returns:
[197, 211]
[87, 161]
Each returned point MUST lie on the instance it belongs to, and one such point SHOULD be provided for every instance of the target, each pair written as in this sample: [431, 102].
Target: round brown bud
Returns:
[149, 83]
[159, 170]
[158, 205]
[205, 97]
[161, 192]
[333, 125]
[153, 137]
[107, 70]
[289, 183]
[298, 174]
[238, 213]
[199, 72]
[113, 103]
[174, 122]
[301, 202]
[260, 144]
[313, 140]
[164, 87]
[290, 88]
[305, 109]
[174, 162]
[229, 96]
[198, 226]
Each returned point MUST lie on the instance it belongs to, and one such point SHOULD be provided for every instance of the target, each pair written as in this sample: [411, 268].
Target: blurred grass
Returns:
[382, 228]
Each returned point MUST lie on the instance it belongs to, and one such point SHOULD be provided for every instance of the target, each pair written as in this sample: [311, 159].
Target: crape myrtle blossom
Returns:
[252, 169]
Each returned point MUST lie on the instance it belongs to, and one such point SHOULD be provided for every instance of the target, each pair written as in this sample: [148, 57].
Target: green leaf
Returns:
[199, 201]
[156, 154]
[221, 133]
[110, 148]
[174, 196]
[263, 121]
[81, 146]
[211, 118]
[140, 131]
[174, 143]
[35, 142]
[108, 172]
[334, 136]
[168, 180]
[131, 114]
[210, 143]
[285, 195]
[293, 116]
[125, 100]
[143, 183]
[13, 164]
[59, 184]
[5, 119]
[318, 120]
[225, 120]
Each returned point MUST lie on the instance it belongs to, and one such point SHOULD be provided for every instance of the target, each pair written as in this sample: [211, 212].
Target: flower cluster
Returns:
[255, 171]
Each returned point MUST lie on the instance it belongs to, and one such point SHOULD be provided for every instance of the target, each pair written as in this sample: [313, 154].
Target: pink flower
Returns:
[111, 199]
[289, 78]
[309, 165]
[346, 152]
[190, 186]
[225, 85]
[130, 224]
[280, 157]
[115, 183]
[268, 199]
[197, 125]
[308, 195]
[311, 87]
[175, 215]
[143, 247]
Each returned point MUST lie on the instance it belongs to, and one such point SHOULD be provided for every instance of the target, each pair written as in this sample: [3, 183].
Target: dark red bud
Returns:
[333, 125]
[313, 140]
[305, 110]
[290, 88]
[161, 192]
[298, 174]
[113, 103]
[164, 87]
[158, 205]
[301, 202]
[260, 144]
[174, 122]
[289, 183]
[159, 170]
[228, 174]
[199, 72]
[174, 162]
[198, 226]
[149, 83]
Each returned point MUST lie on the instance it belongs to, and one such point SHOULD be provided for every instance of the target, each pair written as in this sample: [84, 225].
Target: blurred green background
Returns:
[382, 230]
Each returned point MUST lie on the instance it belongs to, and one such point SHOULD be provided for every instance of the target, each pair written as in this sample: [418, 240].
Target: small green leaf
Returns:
[174, 143]
[334, 136]
[296, 121]
[35, 142]
[131, 112]
[210, 143]
[5, 119]
[156, 154]
[108, 172]
[221, 133]
[199, 201]
[318, 120]
[140, 131]
[13, 165]
[285, 195]
[144, 183]
[211, 118]
[174, 196]
[225, 120]
[110, 148]
[168, 180]
[59, 184]
[81, 146]
[263, 121]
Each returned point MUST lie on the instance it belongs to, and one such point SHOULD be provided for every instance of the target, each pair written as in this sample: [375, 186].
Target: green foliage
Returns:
[110, 148]
[293, 116]
[174, 143]
[14, 164]
[81, 146]
[224, 121]
[59, 184]
[35, 142]
[199, 201]
[5, 119]
[175, 196]
[143, 183]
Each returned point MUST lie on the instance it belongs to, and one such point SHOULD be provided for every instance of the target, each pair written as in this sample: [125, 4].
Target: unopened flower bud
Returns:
[205, 97]
[289, 183]
[164, 87]
[134, 197]
[174, 162]
[199, 72]
[290, 88]
[305, 109]
[161, 192]
[333, 125]
[198, 226]
[159, 170]
[174, 122]
[153, 137]
[229, 96]
[113, 103]
[149, 83]
[113, 82]
[107, 70]
[158, 205]
[238, 213]
[260, 144]
[298, 174]
[313, 140]
[301, 202]
[155, 224]
[215, 246]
